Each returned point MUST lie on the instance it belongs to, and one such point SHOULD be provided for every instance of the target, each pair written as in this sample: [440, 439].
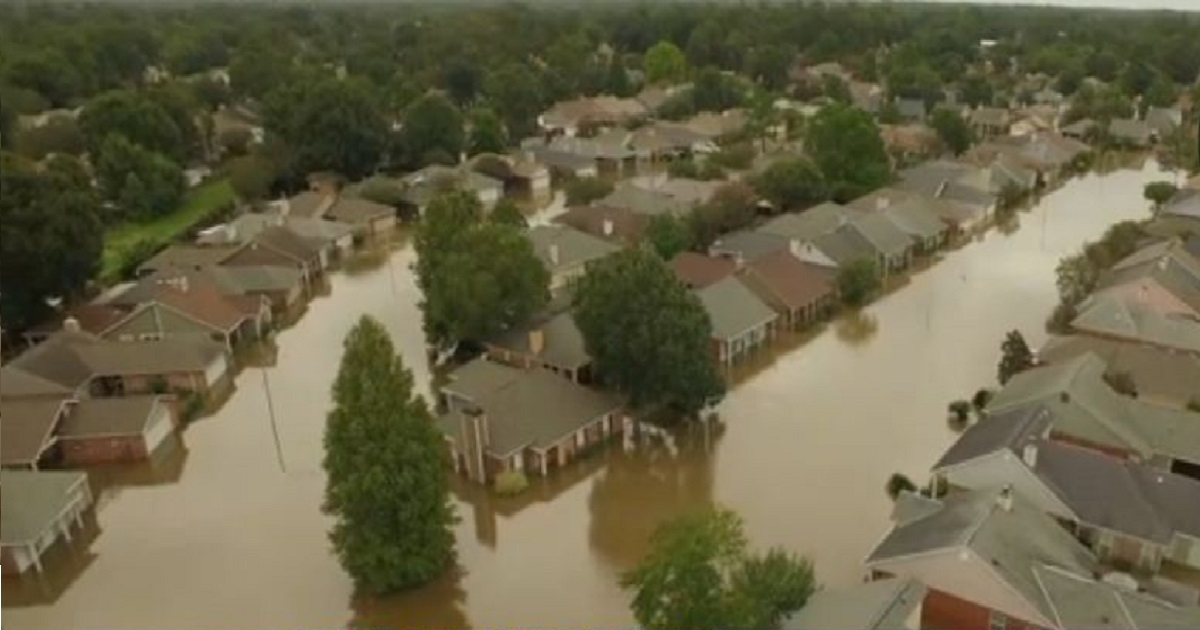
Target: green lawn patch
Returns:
[130, 239]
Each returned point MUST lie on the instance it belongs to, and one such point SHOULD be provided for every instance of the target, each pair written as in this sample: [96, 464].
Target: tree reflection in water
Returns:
[435, 605]
[856, 327]
[645, 487]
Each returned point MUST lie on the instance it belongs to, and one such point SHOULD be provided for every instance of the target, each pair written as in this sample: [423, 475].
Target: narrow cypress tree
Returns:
[387, 483]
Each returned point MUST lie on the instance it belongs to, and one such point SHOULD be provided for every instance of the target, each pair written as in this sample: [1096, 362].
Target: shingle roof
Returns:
[698, 271]
[845, 245]
[149, 357]
[643, 201]
[882, 233]
[1120, 495]
[916, 218]
[32, 501]
[287, 242]
[309, 204]
[1010, 430]
[357, 211]
[573, 247]
[1185, 203]
[749, 244]
[990, 116]
[813, 222]
[626, 225]
[526, 407]
[256, 278]
[1078, 602]
[1155, 371]
[50, 367]
[733, 308]
[27, 428]
[95, 417]
[1012, 542]
[1129, 129]
[787, 280]
[562, 343]
[1120, 316]
[188, 256]
[878, 605]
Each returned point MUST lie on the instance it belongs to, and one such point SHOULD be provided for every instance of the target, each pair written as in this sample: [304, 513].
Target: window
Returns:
[997, 621]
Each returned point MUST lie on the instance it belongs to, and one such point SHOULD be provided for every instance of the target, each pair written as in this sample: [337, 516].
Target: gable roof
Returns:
[95, 417]
[525, 408]
[51, 367]
[644, 201]
[698, 271]
[882, 233]
[564, 247]
[287, 242]
[1078, 602]
[357, 211]
[32, 501]
[1120, 316]
[809, 224]
[625, 224]
[1010, 542]
[28, 429]
[1010, 429]
[1155, 371]
[1164, 119]
[748, 244]
[782, 278]
[1185, 203]
[733, 308]
[879, 605]
[188, 256]
[308, 204]
[562, 343]
[1129, 129]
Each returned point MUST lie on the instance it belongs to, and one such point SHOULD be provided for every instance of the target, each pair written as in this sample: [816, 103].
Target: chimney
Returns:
[881, 202]
[1029, 454]
[553, 253]
[537, 341]
[796, 248]
[70, 324]
[1005, 499]
[608, 226]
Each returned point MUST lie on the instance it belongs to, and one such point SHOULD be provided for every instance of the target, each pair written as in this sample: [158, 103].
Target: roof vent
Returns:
[1065, 397]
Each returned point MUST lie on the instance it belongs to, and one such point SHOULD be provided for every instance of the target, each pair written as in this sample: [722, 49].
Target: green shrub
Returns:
[735, 156]
[898, 483]
[511, 482]
[192, 406]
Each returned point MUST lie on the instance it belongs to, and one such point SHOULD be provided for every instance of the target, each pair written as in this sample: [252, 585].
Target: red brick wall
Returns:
[103, 450]
[943, 611]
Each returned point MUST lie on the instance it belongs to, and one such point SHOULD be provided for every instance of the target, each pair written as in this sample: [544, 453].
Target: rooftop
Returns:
[879, 605]
[564, 247]
[733, 308]
[93, 417]
[28, 427]
[698, 271]
[33, 501]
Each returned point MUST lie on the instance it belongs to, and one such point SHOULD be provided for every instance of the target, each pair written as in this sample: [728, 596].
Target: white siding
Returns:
[158, 428]
[215, 370]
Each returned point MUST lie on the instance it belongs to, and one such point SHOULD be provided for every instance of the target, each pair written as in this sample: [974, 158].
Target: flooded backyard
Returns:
[227, 530]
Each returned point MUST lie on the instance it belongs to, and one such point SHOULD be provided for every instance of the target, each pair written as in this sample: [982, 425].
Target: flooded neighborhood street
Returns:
[237, 539]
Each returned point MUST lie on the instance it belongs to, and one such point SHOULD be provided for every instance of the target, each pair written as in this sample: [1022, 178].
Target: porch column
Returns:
[580, 438]
[31, 549]
[542, 458]
[562, 455]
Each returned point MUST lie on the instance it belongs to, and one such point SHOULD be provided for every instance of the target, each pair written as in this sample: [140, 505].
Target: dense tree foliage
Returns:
[952, 130]
[585, 190]
[1015, 356]
[141, 183]
[49, 236]
[858, 280]
[387, 486]
[700, 573]
[845, 144]
[665, 63]
[668, 235]
[486, 133]
[433, 131]
[328, 125]
[477, 278]
[649, 336]
[791, 184]
[138, 118]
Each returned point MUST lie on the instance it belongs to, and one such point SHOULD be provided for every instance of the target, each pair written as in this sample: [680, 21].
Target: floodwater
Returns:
[227, 531]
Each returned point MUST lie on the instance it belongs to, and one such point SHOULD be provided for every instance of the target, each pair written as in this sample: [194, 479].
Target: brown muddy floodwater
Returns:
[218, 534]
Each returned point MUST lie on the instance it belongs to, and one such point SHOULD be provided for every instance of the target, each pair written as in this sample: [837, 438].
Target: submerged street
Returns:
[226, 529]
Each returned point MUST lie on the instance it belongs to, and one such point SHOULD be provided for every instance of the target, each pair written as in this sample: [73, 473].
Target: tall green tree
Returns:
[387, 486]
[518, 96]
[664, 63]
[433, 130]
[251, 177]
[1015, 356]
[952, 130]
[508, 213]
[142, 183]
[700, 573]
[463, 80]
[50, 236]
[328, 125]
[791, 184]
[649, 336]
[135, 116]
[845, 144]
[487, 133]
[668, 235]
[714, 91]
[858, 280]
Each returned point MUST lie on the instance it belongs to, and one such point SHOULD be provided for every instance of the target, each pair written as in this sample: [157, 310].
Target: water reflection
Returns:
[647, 486]
[62, 564]
[436, 605]
[856, 327]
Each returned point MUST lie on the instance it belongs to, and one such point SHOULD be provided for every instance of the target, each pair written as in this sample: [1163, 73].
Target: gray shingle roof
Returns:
[255, 278]
[750, 245]
[1012, 542]
[733, 308]
[845, 245]
[879, 605]
[882, 233]
[1156, 371]
[1129, 129]
[1078, 602]
[1004, 430]
[562, 342]
[813, 222]
[525, 407]
[1185, 203]
[644, 201]
[915, 218]
[1123, 317]
[573, 246]
[27, 427]
[32, 501]
[94, 417]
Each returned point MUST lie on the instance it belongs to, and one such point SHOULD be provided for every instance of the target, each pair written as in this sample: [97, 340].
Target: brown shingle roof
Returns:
[188, 256]
[286, 242]
[698, 271]
[790, 281]
[27, 428]
[95, 417]
[627, 226]
[203, 300]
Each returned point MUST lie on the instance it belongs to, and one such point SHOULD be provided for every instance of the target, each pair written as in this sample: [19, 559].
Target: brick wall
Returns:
[943, 611]
[102, 450]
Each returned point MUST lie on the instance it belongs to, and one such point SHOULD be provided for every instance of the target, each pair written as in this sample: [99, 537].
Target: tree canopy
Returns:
[700, 573]
[433, 131]
[1015, 356]
[50, 236]
[387, 486]
[665, 63]
[648, 336]
[952, 130]
[791, 184]
[845, 144]
[328, 125]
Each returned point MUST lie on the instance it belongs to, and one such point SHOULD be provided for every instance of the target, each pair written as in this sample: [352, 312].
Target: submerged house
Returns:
[741, 321]
[506, 419]
[38, 508]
